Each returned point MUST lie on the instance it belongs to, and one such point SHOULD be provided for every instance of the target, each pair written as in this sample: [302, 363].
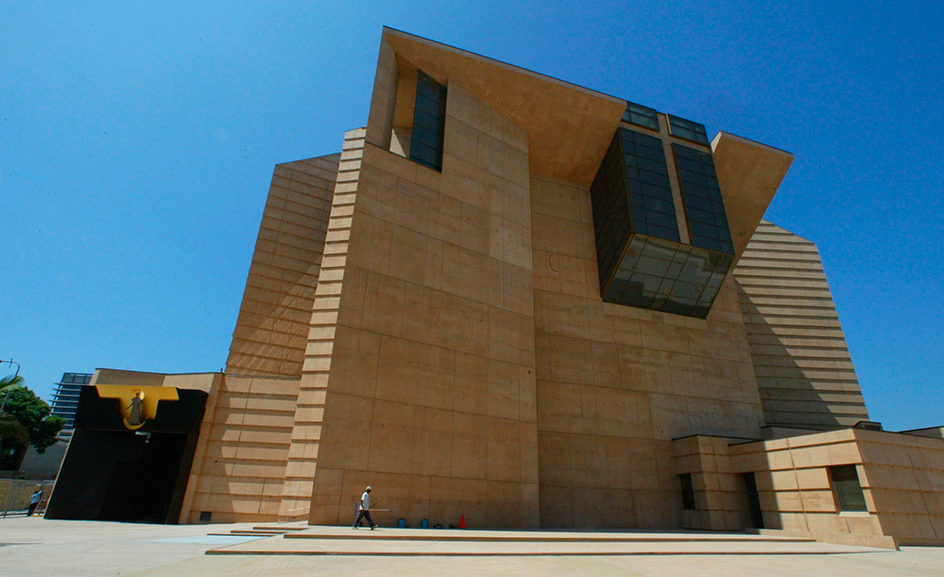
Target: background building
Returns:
[65, 397]
[532, 304]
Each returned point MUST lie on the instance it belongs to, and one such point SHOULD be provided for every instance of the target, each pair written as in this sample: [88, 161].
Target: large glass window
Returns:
[848, 490]
[701, 195]
[640, 257]
[429, 122]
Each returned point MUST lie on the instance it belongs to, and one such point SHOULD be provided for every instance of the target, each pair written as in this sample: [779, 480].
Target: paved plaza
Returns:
[34, 547]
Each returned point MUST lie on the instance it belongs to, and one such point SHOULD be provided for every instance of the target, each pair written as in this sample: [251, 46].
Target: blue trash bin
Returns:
[425, 523]
[401, 523]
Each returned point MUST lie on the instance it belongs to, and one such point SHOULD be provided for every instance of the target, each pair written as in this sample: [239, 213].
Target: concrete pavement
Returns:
[34, 547]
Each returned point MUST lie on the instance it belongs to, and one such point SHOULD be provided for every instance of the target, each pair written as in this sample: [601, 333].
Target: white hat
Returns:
[368, 487]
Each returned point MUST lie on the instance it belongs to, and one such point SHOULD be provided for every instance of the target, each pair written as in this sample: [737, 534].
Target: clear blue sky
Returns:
[137, 143]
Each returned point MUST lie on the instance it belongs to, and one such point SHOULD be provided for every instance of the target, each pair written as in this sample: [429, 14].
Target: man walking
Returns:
[363, 510]
[34, 502]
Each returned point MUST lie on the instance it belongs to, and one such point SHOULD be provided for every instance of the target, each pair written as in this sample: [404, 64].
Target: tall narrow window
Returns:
[753, 501]
[429, 122]
[701, 194]
[848, 490]
[688, 492]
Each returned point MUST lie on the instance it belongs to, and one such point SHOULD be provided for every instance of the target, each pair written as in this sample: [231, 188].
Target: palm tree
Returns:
[10, 427]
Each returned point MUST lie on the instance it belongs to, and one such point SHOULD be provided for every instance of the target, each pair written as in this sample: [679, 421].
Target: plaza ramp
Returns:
[330, 540]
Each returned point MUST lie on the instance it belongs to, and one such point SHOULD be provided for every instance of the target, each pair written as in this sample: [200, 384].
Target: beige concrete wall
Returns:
[430, 382]
[905, 476]
[272, 327]
[195, 381]
[120, 377]
[804, 371]
[383, 97]
[617, 383]
[323, 319]
[239, 464]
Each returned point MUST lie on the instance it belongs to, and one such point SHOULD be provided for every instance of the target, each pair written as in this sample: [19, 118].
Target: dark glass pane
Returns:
[654, 154]
[662, 219]
[427, 121]
[666, 287]
[652, 266]
[423, 154]
[650, 165]
[700, 311]
[655, 204]
[663, 232]
[656, 178]
[424, 135]
[641, 300]
[674, 269]
[428, 106]
[684, 290]
[697, 202]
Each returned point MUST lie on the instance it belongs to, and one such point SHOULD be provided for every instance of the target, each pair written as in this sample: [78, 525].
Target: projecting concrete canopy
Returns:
[749, 174]
[569, 127]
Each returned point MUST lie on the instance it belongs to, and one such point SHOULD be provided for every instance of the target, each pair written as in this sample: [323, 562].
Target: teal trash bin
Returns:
[401, 523]
[425, 523]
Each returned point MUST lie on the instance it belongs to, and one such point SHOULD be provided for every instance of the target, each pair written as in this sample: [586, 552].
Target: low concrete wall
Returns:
[905, 475]
[796, 492]
[15, 494]
[901, 474]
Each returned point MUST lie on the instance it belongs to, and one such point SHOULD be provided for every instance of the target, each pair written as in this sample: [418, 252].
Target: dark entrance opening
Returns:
[142, 489]
[111, 473]
[753, 501]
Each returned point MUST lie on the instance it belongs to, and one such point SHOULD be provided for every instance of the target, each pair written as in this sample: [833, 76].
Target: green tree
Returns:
[10, 426]
[33, 414]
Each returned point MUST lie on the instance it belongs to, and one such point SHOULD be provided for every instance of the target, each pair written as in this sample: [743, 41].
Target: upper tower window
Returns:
[429, 122]
[681, 128]
[641, 115]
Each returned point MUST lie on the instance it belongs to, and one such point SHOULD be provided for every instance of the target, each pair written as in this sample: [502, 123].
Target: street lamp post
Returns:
[12, 362]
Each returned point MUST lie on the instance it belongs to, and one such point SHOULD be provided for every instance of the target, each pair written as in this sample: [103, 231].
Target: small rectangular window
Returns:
[688, 492]
[848, 490]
